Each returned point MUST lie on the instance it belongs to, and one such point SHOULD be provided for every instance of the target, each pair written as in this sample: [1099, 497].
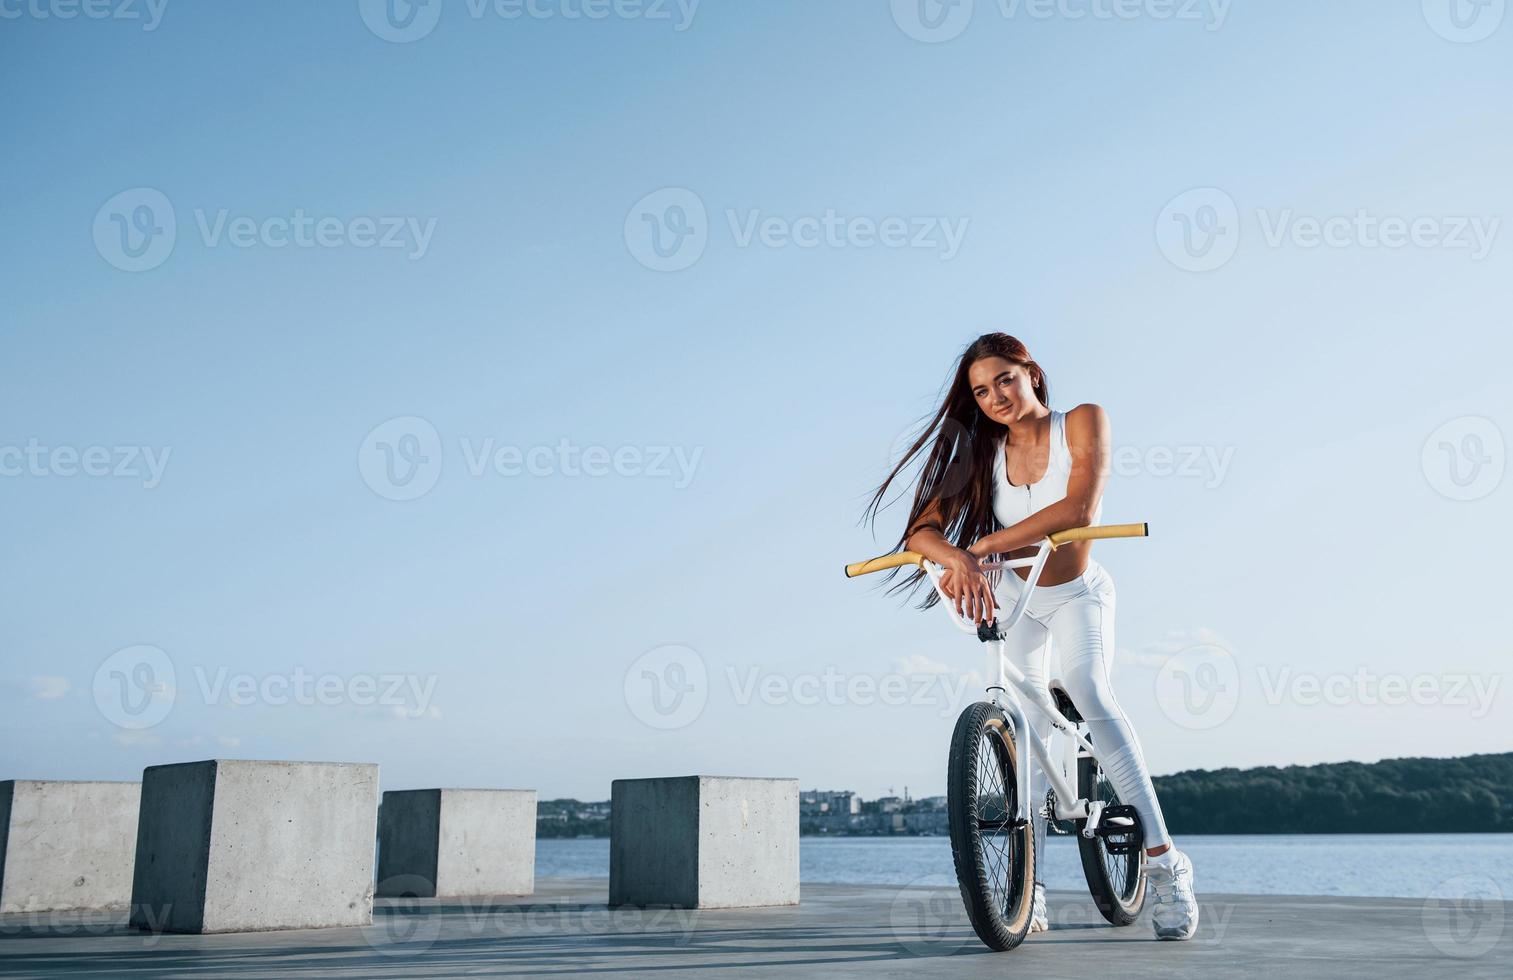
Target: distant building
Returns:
[829, 811]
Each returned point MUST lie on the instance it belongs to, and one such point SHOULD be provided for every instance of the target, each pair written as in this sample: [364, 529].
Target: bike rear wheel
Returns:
[995, 858]
[1115, 880]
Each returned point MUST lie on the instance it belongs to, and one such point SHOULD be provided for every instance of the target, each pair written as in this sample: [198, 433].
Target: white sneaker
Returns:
[1038, 920]
[1175, 910]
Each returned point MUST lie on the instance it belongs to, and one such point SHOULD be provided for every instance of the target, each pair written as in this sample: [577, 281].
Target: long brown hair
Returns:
[957, 470]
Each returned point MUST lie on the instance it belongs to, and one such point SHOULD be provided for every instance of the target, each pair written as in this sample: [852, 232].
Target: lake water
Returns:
[1372, 865]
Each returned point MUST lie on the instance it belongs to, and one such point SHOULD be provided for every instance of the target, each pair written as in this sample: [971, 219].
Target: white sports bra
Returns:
[1012, 504]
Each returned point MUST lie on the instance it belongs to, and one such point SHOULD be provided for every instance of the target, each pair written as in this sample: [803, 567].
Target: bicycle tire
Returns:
[1116, 881]
[996, 869]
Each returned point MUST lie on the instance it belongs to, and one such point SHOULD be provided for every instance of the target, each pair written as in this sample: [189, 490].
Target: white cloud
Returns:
[1156, 653]
[133, 739]
[49, 688]
[917, 664]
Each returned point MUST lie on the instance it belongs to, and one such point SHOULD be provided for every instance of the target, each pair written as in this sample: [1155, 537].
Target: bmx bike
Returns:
[988, 789]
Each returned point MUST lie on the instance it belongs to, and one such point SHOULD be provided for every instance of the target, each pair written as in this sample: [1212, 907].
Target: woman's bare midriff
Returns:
[1064, 564]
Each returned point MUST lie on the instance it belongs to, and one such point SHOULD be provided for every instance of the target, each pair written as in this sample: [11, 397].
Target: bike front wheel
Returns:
[994, 855]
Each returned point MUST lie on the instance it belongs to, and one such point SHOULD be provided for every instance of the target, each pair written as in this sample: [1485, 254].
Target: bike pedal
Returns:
[1120, 829]
[1064, 705]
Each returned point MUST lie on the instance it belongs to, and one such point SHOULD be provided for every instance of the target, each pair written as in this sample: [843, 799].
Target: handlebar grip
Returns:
[885, 562]
[1141, 530]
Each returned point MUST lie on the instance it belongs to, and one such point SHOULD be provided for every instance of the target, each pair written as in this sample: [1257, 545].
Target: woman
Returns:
[1002, 473]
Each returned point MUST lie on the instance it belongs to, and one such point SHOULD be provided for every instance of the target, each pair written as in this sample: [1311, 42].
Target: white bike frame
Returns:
[1027, 736]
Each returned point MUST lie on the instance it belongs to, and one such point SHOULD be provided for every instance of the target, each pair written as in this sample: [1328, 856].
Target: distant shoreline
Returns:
[1321, 833]
[1466, 795]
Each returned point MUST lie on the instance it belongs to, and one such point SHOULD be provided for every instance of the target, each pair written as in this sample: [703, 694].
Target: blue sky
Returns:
[1314, 431]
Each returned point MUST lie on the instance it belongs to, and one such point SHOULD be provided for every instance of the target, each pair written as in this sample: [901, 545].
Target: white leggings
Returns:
[1078, 616]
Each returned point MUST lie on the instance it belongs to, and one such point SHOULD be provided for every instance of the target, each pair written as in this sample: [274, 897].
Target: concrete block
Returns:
[707, 842]
[66, 845]
[241, 846]
[451, 843]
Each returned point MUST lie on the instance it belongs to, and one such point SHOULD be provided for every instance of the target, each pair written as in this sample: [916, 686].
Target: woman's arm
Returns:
[964, 581]
[1087, 437]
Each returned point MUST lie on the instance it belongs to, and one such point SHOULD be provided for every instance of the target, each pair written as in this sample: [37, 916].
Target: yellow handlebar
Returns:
[1058, 539]
[1141, 530]
[885, 562]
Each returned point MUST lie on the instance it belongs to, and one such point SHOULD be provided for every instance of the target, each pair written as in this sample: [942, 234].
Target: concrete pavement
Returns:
[839, 931]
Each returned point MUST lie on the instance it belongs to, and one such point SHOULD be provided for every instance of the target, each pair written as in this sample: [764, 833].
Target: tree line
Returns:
[1395, 796]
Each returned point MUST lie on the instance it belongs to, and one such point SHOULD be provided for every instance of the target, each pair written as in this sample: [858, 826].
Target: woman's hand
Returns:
[967, 585]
